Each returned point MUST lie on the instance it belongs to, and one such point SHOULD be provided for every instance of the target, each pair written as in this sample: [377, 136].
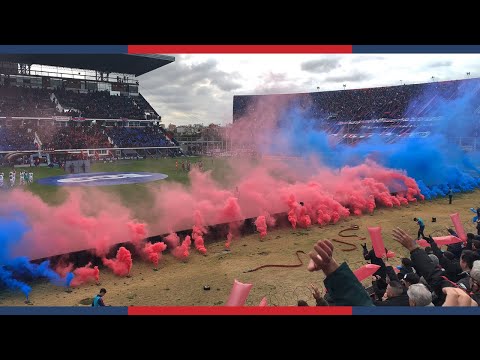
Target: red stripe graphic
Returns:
[239, 49]
[242, 310]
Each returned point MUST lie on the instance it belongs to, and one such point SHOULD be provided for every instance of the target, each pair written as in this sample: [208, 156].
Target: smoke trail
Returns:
[261, 224]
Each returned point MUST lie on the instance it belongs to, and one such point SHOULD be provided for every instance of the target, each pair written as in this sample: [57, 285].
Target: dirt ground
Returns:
[178, 283]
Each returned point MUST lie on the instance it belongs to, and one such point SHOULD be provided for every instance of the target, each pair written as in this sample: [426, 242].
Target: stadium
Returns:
[95, 190]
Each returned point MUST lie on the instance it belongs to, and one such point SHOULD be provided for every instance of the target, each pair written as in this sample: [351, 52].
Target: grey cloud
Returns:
[352, 77]
[439, 64]
[178, 89]
[276, 83]
[321, 65]
[362, 58]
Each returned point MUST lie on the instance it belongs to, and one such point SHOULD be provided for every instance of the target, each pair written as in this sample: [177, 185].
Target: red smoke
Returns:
[153, 252]
[197, 233]
[172, 240]
[182, 251]
[63, 268]
[138, 231]
[85, 274]
[122, 264]
[93, 219]
[82, 275]
[87, 219]
[231, 213]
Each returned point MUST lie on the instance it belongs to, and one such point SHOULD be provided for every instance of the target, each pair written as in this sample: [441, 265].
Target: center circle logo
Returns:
[102, 179]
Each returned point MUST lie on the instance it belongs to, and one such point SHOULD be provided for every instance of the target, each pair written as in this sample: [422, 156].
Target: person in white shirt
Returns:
[12, 179]
[30, 177]
[21, 178]
[1, 179]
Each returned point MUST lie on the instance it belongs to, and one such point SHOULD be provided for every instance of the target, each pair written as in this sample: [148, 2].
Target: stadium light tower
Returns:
[344, 86]
[318, 88]
[468, 74]
[433, 78]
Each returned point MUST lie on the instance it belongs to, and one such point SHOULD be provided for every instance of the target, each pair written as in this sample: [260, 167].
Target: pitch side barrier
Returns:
[216, 233]
[85, 150]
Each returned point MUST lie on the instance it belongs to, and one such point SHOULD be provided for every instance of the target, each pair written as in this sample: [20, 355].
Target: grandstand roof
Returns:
[113, 63]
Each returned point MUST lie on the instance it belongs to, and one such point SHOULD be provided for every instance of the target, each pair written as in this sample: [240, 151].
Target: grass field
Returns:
[133, 194]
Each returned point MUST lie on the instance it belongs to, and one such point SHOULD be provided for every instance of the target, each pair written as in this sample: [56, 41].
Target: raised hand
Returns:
[315, 292]
[322, 258]
[457, 297]
[404, 239]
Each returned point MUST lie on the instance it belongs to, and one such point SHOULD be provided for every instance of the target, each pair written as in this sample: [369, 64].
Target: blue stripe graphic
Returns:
[63, 49]
[63, 310]
[416, 49]
[405, 310]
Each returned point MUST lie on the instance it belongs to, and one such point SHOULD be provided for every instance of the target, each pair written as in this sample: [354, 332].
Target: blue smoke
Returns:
[69, 278]
[15, 269]
[435, 161]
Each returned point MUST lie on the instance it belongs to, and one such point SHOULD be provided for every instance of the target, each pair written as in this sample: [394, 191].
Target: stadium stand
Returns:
[137, 136]
[23, 101]
[102, 105]
[63, 108]
[16, 138]
[390, 111]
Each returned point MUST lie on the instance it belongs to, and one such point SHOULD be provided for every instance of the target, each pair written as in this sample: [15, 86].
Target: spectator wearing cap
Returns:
[405, 268]
[410, 279]
[419, 295]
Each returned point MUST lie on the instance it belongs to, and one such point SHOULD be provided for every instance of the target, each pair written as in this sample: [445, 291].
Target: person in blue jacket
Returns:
[98, 300]
[421, 228]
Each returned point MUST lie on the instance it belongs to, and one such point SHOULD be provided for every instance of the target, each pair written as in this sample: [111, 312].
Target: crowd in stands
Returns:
[137, 136]
[23, 101]
[102, 105]
[17, 101]
[429, 277]
[16, 138]
[388, 103]
[74, 137]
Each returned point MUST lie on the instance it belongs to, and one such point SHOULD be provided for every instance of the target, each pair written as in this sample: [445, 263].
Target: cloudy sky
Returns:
[200, 88]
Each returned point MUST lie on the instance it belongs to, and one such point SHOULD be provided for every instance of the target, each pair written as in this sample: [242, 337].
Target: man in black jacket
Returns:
[466, 263]
[423, 265]
[370, 256]
[447, 261]
[394, 296]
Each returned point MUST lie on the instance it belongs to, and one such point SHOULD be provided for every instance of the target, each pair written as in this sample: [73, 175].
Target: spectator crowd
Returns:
[428, 277]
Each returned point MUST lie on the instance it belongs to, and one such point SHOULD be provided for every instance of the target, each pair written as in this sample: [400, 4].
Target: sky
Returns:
[200, 88]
